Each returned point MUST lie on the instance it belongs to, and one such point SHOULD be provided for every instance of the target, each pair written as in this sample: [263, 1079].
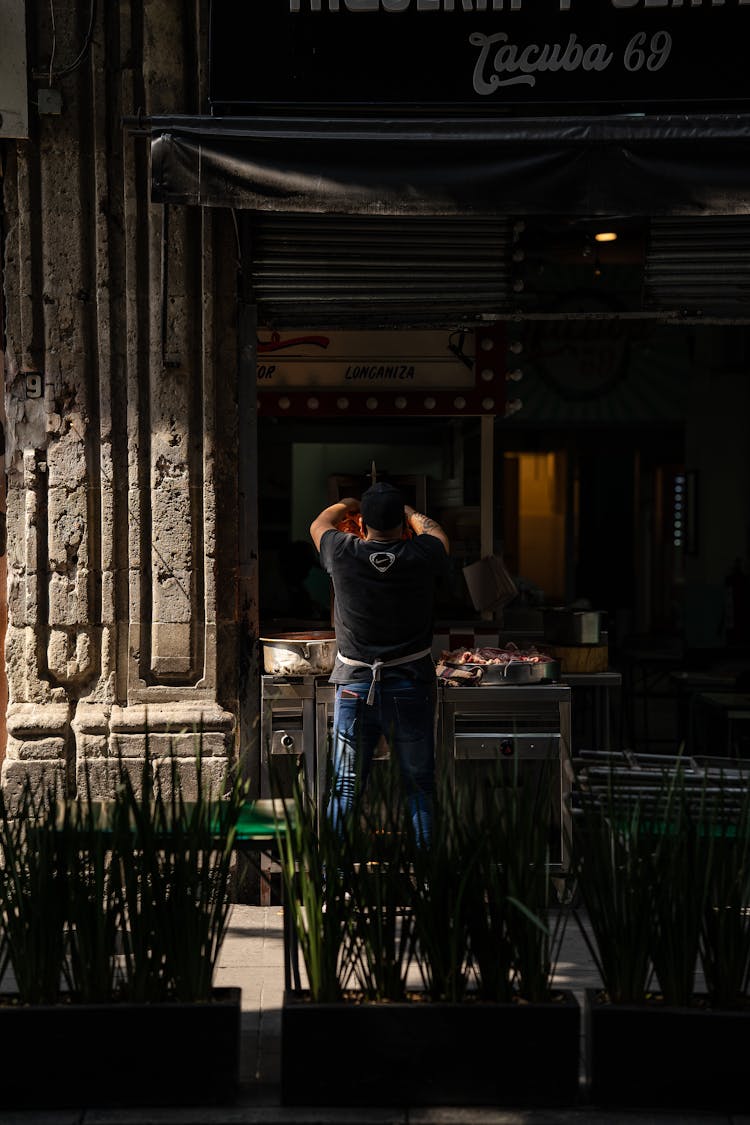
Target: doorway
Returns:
[534, 520]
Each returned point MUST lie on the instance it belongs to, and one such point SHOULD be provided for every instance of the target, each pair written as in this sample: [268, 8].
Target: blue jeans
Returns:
[404, 711]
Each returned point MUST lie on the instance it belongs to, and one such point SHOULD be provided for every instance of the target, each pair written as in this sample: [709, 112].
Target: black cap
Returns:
[382, 506]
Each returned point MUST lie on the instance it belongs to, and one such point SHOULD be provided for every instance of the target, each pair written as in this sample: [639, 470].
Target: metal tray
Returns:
[515, 672]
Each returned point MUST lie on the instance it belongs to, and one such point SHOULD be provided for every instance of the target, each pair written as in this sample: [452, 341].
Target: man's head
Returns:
[382, 507]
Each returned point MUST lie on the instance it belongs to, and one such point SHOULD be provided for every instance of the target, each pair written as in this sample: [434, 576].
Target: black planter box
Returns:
[652, 1055]
[425, 1053]
[120, 1054]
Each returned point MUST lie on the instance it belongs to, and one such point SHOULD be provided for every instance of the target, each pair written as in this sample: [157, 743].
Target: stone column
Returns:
[121, 578]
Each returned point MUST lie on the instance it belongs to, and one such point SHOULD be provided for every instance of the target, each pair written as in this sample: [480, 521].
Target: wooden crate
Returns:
[580, 658]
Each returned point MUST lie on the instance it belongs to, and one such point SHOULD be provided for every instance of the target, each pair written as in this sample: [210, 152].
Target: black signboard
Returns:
[504, 56]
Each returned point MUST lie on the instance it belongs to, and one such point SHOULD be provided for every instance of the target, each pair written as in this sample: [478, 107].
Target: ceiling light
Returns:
[605, 236]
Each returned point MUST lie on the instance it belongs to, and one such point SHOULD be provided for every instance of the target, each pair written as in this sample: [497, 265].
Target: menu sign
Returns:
[491, 54]
[363, 361]
[388, 373]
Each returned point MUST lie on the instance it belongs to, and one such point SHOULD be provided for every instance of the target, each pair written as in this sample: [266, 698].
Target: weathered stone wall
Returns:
[121, 580]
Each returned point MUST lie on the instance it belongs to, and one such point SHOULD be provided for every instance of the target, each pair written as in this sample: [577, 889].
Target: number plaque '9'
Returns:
[34, 385]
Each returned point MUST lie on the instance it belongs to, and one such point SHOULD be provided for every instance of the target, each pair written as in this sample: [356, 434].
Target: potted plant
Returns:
[111, 919]
[664, 878]
[425, 960]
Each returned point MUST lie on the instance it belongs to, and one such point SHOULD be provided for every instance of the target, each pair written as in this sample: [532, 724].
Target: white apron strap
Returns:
[378, 664]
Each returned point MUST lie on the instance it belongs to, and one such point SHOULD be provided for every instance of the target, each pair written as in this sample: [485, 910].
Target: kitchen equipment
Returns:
[523, 727]
[572, 626]
[295, 717]
[310, 653]
[296, 714]
[514, 672]
[489, 583]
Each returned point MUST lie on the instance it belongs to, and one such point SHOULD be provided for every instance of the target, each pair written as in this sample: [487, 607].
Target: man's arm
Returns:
[330, 517]
[423, 525]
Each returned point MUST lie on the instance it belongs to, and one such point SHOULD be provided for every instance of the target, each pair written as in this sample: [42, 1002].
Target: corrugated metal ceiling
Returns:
[372, 271]
[378, 271]
[699, 267]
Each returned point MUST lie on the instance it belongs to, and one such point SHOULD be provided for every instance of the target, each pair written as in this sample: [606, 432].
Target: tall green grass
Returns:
[664, 877]
[34, 894]
[679, 882]
[382, 916]
[92, 966]
[317, 871]
[469, 911]
[612, 846]
[725, 933]
[521, 819]
[439, 900]
[175, 863]
[120, 899]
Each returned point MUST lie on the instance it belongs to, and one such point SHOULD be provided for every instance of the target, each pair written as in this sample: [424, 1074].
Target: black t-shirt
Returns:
[384, 596]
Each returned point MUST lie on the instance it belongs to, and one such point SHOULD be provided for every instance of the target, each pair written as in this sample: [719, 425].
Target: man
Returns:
[384, 673]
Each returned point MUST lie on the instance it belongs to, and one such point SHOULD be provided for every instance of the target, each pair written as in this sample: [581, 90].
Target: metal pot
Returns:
[311, 653]
[516, 672]
[572, 626]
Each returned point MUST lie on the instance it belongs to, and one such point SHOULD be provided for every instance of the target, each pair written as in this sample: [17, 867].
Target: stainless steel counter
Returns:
[524, 729]
[526, 724]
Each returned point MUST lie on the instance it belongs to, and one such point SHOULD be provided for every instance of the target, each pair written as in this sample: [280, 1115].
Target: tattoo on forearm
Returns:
[425, 522]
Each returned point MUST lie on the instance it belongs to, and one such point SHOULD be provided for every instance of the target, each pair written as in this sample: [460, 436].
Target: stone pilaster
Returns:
[120, 584]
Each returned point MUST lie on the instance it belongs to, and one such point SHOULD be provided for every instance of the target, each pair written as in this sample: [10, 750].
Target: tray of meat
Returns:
[508, 665]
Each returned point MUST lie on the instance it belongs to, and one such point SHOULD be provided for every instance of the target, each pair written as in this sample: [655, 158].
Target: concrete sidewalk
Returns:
[252, 958]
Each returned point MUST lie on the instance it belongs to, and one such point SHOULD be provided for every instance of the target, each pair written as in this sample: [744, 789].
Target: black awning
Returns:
[619, 165]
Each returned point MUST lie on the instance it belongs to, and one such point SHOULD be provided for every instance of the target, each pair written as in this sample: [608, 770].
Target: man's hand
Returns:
[423, 525]
[330, 517]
